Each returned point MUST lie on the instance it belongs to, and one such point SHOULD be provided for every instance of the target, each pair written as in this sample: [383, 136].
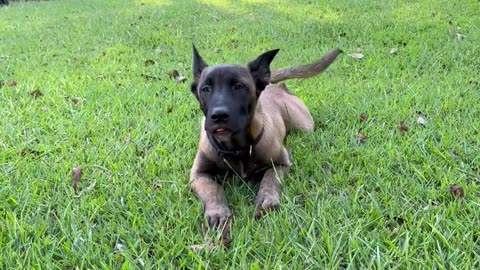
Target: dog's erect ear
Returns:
[198, 63]
[198, 66]
[260, 69]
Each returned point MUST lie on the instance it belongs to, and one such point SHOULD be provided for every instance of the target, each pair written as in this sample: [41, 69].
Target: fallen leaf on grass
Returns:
[149, 62]
[25, 152]
[402, 127]
[357, 56]
[12, 83]
[76, 176]
[150, 77]
[395, 231]
[361, 138]
[421, 121]
[363, 116]
[77, 100]
[199, 248]
[173, 74]
[393, 50]
[180, 79]
[36, 93]
[457, 191]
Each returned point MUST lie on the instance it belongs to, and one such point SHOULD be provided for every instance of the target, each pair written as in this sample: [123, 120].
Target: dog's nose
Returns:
[219, 114]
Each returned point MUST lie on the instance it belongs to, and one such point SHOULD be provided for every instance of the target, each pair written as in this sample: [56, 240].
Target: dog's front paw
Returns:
[266, 202]
[219, 217]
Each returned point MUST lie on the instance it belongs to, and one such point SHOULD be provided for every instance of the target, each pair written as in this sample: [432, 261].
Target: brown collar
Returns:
[243, 152]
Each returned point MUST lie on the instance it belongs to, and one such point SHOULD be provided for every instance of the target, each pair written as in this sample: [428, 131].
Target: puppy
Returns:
[246, 119]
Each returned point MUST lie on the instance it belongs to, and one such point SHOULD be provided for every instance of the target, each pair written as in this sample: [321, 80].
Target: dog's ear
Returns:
[198, 63]
[198, 66]
[260, 69]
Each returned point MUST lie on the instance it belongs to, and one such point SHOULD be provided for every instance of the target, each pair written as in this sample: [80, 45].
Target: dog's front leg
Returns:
[211, 194]
[213, 198]
[268, 196]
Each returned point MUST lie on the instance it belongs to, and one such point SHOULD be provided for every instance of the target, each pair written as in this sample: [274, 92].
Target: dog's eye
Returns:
[238, 86]
[205, 89]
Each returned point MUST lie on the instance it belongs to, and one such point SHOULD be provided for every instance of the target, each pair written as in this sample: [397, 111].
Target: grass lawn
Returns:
[85, 82]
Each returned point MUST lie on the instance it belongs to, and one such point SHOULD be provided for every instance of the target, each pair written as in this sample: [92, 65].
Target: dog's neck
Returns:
[256, 125]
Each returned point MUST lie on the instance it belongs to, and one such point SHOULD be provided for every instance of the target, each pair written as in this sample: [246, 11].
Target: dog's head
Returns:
[228, 94]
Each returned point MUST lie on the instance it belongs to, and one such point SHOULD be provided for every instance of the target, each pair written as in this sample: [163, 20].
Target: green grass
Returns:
[135, 135]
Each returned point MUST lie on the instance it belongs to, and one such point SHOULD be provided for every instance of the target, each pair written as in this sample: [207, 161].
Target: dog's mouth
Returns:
[222, 131]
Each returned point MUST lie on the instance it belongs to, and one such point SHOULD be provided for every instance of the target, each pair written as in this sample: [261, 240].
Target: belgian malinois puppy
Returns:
[246, 118]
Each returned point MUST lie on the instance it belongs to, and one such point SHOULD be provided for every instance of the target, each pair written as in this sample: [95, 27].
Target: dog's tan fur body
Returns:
[277, 112]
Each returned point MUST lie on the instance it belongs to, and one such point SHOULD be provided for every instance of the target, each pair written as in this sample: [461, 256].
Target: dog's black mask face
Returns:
[228, 95]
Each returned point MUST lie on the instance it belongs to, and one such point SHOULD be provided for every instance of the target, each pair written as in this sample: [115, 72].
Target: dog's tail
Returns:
[305, 71]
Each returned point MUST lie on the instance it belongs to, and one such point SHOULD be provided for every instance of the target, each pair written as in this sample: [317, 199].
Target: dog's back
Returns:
[286, 108]
[276, 97]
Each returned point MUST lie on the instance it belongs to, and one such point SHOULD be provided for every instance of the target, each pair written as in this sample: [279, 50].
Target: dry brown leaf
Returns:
[457, 191]
[36, 93]
[76, 177]
[361, 138]
[363, 116]
[149, 62]
[11, 83]
[25, 152]
[77, 100]
[402, 127]
[150, 77]
[173, 74]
